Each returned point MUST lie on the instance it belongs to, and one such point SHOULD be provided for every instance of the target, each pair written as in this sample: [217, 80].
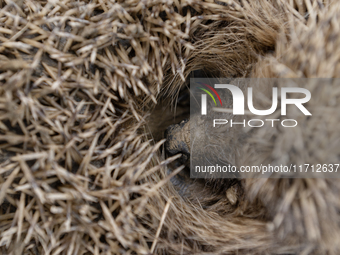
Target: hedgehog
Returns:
[93, 98]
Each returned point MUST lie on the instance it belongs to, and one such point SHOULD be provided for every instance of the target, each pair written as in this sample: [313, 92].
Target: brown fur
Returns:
[78, 174]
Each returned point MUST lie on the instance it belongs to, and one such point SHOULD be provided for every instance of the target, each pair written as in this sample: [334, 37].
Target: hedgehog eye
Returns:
[183, 98]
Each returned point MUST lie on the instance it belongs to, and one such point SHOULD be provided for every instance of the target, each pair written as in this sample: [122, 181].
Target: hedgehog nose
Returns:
[177, 140]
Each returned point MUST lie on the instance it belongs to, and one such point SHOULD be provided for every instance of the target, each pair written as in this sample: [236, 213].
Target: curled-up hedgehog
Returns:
[94, 148]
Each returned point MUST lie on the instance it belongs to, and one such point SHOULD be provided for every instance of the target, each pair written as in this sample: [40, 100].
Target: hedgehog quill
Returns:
[87, 91]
